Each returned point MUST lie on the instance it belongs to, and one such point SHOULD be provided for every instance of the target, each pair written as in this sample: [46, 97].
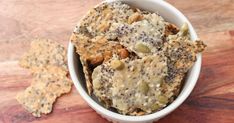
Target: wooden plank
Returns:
[207, 15]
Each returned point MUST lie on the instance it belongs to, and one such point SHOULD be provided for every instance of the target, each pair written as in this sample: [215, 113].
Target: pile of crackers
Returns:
[114, 38]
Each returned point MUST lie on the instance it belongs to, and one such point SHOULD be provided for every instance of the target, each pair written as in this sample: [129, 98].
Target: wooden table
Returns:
[212, 101]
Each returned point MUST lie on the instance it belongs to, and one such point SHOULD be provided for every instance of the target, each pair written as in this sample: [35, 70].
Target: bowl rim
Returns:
[176, 103]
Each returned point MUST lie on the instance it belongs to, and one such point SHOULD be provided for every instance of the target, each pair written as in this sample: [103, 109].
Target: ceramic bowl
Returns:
[169, 13]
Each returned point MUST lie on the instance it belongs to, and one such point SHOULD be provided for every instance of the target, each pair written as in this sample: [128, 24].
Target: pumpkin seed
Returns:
[163, 99]
[142, 48]
[155, 107]
[143, 87]
[117, 64]
[96, 84]
[184, 30]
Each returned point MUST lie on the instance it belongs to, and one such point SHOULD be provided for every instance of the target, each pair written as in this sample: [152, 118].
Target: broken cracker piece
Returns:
[36, 101]
[47, 85]
[53, 78]
[98, 49]
[44, 52]
[87, 74]
[99, 19]
[47, 61]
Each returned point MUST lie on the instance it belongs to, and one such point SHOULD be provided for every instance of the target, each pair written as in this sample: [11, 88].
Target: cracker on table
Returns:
[47, 61]
[48, 84]
[54, 78]
[36, 101]
[44, 52]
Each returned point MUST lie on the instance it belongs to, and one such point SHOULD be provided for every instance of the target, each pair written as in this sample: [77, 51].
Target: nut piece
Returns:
[117, 64]
[143, 87]
[96, 60]
[123, 53]
[142, 48]
[135, 17]
[171, 29]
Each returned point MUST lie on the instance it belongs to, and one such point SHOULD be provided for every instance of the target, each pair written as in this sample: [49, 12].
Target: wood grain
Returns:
[212, 100]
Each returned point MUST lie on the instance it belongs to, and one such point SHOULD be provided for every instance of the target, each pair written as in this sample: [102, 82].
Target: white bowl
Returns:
[169, 13]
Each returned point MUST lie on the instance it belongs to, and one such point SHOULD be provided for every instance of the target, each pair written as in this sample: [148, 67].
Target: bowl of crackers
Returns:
[134, 61]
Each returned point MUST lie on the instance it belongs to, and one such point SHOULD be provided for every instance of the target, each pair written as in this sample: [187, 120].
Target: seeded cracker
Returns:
[94, 52]
[87, 74]
[99, 19]
[47, 60]
[181, 53]
[36, 101]
[140, 37]
[98, 49]
[44, 52]
[54, 78]
[135, 85]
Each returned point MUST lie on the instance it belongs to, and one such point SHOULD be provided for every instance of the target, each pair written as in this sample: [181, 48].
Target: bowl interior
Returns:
[170, 14]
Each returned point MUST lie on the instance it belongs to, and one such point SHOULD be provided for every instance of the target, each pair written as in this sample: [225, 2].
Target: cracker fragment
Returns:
[44, 52]
[99, 19]
[181, 53]
[127, 88]
[87, 74]
[36, 101]
[140, 32]
[46, 86]
[53, 78]
[98, 49]
[95, 51]
[47, 61]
